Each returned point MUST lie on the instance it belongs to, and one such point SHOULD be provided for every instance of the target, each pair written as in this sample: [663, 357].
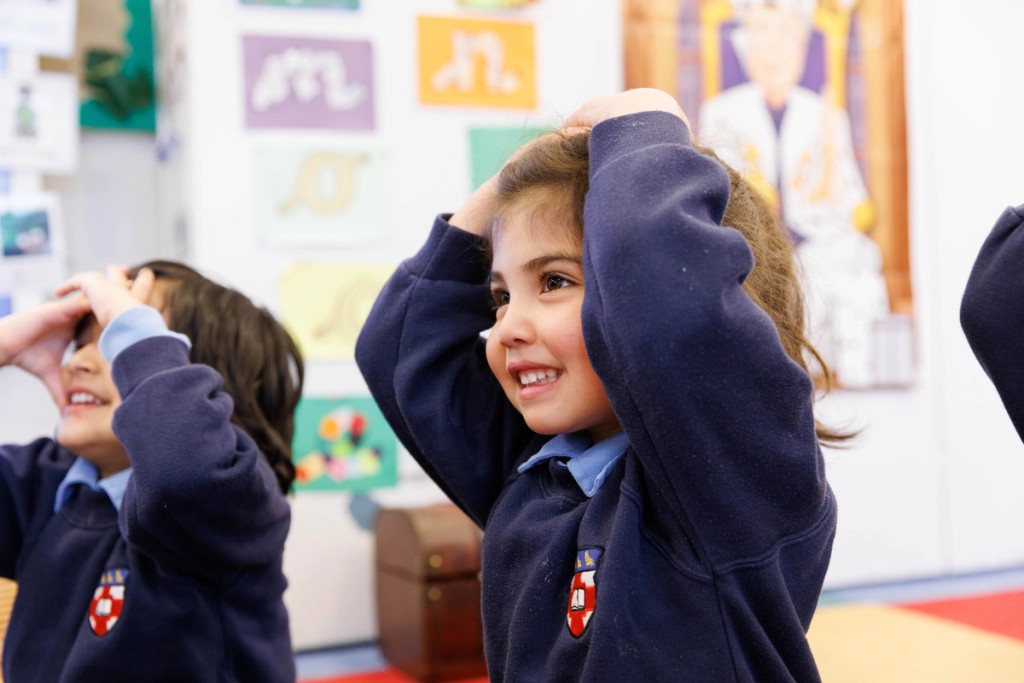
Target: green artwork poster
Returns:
[324, 4]
[343, 444]
[116, 53]
[489, 148]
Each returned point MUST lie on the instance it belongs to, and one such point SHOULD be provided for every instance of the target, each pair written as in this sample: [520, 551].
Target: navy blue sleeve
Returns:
[992, 311]
[719, 415]
[202, 497]
[29, 477]
[423, 359]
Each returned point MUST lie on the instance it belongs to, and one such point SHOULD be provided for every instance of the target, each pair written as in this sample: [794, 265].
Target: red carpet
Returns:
[1001, 613]
[385, 676]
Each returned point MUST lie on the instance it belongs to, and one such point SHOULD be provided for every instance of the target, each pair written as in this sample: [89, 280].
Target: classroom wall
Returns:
[930, 488]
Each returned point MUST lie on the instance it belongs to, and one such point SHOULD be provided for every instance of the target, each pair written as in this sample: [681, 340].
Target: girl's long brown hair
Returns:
[556, 168]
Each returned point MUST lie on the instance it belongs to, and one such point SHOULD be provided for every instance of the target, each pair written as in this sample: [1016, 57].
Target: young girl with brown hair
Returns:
[636, 433]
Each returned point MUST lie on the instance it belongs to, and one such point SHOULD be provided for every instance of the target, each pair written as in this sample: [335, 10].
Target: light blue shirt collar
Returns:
[84, 472]
[588, 462]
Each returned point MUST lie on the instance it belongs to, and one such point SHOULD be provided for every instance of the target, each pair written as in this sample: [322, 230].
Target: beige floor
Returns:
[863, 643]
[7, 591]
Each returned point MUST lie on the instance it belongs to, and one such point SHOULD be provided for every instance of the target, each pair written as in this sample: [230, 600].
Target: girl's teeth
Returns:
[538, 377]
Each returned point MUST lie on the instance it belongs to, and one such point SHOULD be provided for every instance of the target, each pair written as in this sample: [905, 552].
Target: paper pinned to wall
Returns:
[38, 122]
[317, 4]
[490, 148]
[31, 231]
[44, 27]
[343, 444]
[295, 82]
[321, 197]
[324, 305]
[477, 63]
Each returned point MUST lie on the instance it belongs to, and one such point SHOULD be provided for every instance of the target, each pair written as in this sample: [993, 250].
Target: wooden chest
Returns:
[428, 592]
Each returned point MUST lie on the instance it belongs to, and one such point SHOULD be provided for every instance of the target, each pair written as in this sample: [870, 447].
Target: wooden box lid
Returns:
[427, 543]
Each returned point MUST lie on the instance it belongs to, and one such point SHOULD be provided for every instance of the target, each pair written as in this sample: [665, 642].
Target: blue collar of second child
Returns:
[84, 472]
[588, 462]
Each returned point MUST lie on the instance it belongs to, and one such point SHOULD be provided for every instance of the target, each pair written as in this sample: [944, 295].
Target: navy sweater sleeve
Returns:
[29, 477]
[202, 497]
[423, 359]
[719, 415]
[992, 311]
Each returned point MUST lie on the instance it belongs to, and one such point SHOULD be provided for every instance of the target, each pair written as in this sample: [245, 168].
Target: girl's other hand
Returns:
[599, 109]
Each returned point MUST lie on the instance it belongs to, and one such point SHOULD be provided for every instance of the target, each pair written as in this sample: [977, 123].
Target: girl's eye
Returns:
[553, 282]
[499, 297]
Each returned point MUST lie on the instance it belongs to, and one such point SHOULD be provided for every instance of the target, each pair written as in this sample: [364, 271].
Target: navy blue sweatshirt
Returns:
[190, 568]
[992, 311]
[702, 554]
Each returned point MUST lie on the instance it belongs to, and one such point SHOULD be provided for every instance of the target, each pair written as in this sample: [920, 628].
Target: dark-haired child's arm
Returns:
[992, 311]
[202, 498]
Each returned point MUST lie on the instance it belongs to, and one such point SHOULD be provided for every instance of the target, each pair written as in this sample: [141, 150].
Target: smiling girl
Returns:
[636, 433]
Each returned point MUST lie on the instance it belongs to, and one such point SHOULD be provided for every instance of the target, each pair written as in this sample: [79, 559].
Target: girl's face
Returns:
[86, 424]
[535, 348]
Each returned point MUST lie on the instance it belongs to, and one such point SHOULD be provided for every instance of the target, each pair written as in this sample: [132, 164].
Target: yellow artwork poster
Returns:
[324, 305]
[470, 62]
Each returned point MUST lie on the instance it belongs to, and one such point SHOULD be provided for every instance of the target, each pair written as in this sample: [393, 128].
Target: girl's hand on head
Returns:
[35, 340]
[475, 213]
[599, 109]
[112, 294]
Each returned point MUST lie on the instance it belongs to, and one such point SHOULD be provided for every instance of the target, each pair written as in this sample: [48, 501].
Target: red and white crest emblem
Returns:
[107, 601]
[583, 592]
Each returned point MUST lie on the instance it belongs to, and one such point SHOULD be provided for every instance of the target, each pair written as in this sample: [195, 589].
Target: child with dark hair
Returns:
[636, 433]
[147, 536]
[992, 311]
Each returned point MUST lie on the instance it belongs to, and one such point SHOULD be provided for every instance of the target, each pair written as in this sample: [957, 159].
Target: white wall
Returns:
[328, 558]
[932, 487]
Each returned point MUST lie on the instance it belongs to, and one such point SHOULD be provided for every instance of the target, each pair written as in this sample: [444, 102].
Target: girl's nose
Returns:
[515, 326]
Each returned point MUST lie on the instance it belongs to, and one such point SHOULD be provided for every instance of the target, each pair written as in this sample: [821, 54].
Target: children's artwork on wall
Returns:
[343, 444]
[472, 62]
[324, 305]
[42, 26]
[490, 147]
[30, 231]
[308, 83]
[170, 28]
[114, 61]
[497, 4]
[38, 122]
[317, 4]
[320, 197]
[805, 98]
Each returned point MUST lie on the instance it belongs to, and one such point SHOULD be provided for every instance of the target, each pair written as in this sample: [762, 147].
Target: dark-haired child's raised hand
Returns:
[112, 294]
[35, 340]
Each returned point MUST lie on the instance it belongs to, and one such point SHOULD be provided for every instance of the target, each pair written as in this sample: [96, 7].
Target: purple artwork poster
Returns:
[308, 83]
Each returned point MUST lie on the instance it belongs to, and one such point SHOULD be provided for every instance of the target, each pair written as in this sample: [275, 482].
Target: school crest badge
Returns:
[107, 601]
[583, 592]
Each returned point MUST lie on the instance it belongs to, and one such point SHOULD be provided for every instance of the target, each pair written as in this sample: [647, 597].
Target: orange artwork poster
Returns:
[469, 62]
[806, 99]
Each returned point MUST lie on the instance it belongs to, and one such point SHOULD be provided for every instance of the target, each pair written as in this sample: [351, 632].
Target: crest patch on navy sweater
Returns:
[583, 592]
[107, 601]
